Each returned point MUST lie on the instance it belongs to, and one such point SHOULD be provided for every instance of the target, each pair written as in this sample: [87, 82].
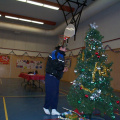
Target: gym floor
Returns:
[20, 103]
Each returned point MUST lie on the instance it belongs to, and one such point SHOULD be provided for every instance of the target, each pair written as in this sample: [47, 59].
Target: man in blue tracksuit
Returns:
[54, 72]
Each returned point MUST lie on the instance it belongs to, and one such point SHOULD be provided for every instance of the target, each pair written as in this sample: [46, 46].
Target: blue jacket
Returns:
[55, 64]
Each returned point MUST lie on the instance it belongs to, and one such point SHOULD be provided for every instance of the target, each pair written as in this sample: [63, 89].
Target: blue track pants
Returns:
[52, 91]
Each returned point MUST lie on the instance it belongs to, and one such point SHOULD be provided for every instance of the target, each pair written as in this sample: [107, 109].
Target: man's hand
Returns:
[65, 69]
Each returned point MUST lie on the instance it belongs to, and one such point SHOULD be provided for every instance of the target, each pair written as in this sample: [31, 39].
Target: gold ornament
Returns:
[82, 56]
[101, 72]
[95, 70]
[104, 72]
[86, 89]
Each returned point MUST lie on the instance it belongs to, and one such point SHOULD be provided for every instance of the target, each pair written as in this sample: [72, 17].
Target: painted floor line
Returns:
[26, 96]
[63, 93]
[22, 96]
[64, 90]
[5, 108]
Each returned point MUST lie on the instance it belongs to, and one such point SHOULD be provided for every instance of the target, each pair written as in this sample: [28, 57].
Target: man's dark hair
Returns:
[58, 47]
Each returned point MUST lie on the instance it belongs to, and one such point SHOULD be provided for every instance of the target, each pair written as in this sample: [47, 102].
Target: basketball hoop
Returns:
[73, 16]
[62, 37]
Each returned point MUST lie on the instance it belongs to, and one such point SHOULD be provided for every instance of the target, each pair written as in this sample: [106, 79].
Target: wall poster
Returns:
[27, 64]
[4, 59]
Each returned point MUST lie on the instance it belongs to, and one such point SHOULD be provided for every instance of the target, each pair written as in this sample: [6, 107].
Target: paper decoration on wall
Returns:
[4, 59]
[26, 64]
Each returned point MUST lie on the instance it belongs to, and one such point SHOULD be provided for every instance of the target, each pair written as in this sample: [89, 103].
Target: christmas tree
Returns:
[91, 89]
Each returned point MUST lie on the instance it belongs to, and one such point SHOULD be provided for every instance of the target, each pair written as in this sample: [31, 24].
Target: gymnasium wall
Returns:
[11, 71]
[24, 41]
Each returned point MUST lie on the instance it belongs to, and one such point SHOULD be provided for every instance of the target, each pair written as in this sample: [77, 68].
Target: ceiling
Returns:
[36, 12]
[25, 10]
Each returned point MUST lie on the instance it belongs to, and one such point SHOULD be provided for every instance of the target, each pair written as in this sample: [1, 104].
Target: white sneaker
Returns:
[55, 112]
[46, 111]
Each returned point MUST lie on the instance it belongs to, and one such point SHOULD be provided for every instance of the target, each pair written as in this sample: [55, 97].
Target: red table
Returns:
[32, 77]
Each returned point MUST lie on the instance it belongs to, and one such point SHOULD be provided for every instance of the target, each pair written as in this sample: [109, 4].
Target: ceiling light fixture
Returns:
[10, 17]
[22, 0]
[37, 22]
[34, 3]
[26, 20]
[40, 4]
[51, 7]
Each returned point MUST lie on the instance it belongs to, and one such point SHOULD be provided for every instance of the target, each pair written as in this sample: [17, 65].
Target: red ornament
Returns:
[86, 96]
[98, 56]
[117, 102]
[116, 111]
[77, 111]
[80, 88]
[96, 53]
